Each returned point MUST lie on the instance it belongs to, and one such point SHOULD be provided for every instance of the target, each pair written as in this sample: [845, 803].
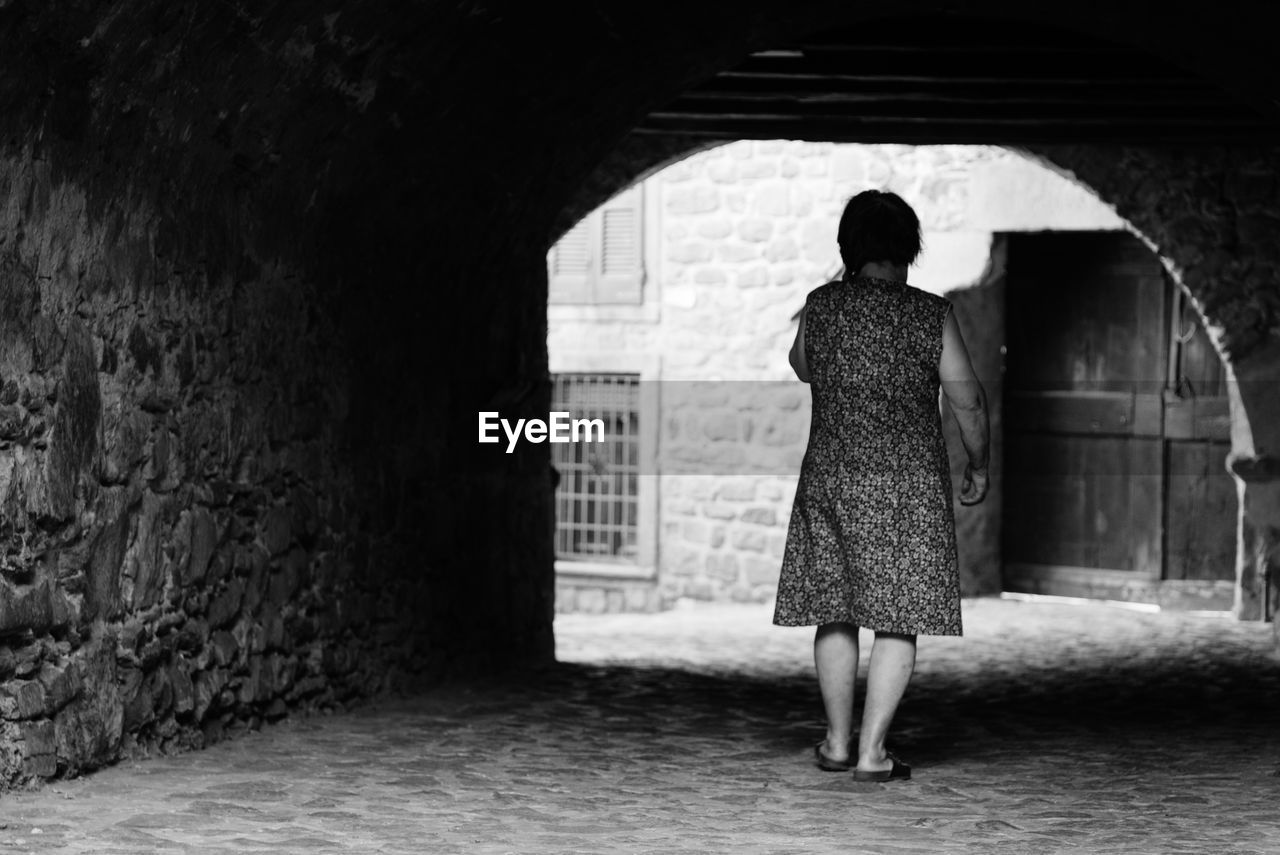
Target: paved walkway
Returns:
[1048, 728]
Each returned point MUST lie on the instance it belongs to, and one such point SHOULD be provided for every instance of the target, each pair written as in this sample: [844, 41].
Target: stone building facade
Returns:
[734, 238]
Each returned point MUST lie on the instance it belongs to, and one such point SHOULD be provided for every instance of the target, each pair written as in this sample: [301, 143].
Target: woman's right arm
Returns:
[969, 404]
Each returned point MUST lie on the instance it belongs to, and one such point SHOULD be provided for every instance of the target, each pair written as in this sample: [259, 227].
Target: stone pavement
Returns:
[1048, 728]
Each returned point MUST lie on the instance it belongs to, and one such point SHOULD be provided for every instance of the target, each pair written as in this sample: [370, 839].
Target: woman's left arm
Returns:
[796, 357]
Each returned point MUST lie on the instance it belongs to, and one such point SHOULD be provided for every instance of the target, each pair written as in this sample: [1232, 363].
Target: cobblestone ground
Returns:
[1048, 728]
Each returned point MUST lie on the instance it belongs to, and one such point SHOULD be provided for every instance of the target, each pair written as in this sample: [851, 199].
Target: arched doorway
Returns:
[1208, 205]
[718, 250]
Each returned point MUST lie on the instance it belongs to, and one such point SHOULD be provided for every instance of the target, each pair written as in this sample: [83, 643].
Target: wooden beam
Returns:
[972, 132]
[740, 85]
[1028, 65]
[919, 113]
[943, 107]
[956, 77]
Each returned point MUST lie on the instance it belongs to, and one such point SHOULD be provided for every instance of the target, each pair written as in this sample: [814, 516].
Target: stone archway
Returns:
[1212, 220]
[1046, 201]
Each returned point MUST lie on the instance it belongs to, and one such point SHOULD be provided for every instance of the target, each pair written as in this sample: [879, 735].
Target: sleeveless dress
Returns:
[871, 539]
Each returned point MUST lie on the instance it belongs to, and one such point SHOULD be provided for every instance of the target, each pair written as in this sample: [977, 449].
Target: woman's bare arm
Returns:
[797, 349]
[968, 402]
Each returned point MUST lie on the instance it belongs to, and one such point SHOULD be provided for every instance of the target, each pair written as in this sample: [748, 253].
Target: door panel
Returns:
[1084, 502]
[1201, 531]
[1115, 418]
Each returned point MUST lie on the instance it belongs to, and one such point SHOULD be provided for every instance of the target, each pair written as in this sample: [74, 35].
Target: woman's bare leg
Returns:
[893, 658]
[835, 655]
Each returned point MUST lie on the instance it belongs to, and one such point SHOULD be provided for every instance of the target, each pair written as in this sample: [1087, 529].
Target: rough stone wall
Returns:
[237, 474]
[176, 551]
[746, 231]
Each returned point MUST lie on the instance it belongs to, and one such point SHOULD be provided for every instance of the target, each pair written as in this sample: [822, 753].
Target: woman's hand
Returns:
[974, 488]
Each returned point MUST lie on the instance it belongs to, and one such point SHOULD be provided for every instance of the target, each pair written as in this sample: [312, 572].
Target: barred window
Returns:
[597, 499]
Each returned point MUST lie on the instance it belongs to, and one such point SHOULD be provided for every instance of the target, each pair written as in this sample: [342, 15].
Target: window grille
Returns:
[597, 499]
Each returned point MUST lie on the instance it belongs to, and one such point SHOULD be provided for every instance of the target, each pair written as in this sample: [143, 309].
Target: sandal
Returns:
[830, 764]
[898, 772]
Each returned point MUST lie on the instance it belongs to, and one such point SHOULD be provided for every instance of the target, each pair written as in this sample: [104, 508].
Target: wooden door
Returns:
[1097, 466]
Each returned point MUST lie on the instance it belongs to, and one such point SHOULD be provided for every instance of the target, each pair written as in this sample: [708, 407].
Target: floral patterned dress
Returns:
[872, 534]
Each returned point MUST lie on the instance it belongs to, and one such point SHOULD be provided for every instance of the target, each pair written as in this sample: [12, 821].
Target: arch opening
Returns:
[735, 236]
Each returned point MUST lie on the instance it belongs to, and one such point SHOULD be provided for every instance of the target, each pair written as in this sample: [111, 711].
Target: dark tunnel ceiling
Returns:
[961, 81]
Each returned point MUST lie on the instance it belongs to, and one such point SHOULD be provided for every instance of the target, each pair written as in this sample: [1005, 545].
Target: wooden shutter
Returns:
[601, 259]
[569, 264]
[621, 249]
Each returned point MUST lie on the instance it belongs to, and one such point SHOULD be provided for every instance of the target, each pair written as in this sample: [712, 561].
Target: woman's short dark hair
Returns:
[878, 226]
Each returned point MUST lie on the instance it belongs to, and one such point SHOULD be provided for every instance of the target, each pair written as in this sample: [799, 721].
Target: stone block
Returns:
[25, 607]
[639, 598]
[273, 631]
[761, 571]
[695, 199]
[682, 507]
[183, 689]
[193, 636]
[689, 252]
[755, 229]
[722, 172]
[61, 685]
[208, 686]
[591, 601]
[699, 589]
[22, 699]
[736, 490]
[751, 540]
[204, 538]
[848, 164]
[757, 169]
[696, 531]
[719, 511]
[737, 253]
[143, 559]
[815, 168]
[710, 276]
[225, 647]
[722, 426]
[681, 560]
[39, 749]
[225, 607]
[566, 599]
[717, 536]
[277, 530]
[615, 601]
[790, 168]
[754, 277]
[717, 228]
[782, 249]
[772, 200]
[760, 516]
[722, 567]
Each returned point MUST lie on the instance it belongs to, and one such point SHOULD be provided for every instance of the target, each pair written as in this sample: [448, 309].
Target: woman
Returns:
[872, 536]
